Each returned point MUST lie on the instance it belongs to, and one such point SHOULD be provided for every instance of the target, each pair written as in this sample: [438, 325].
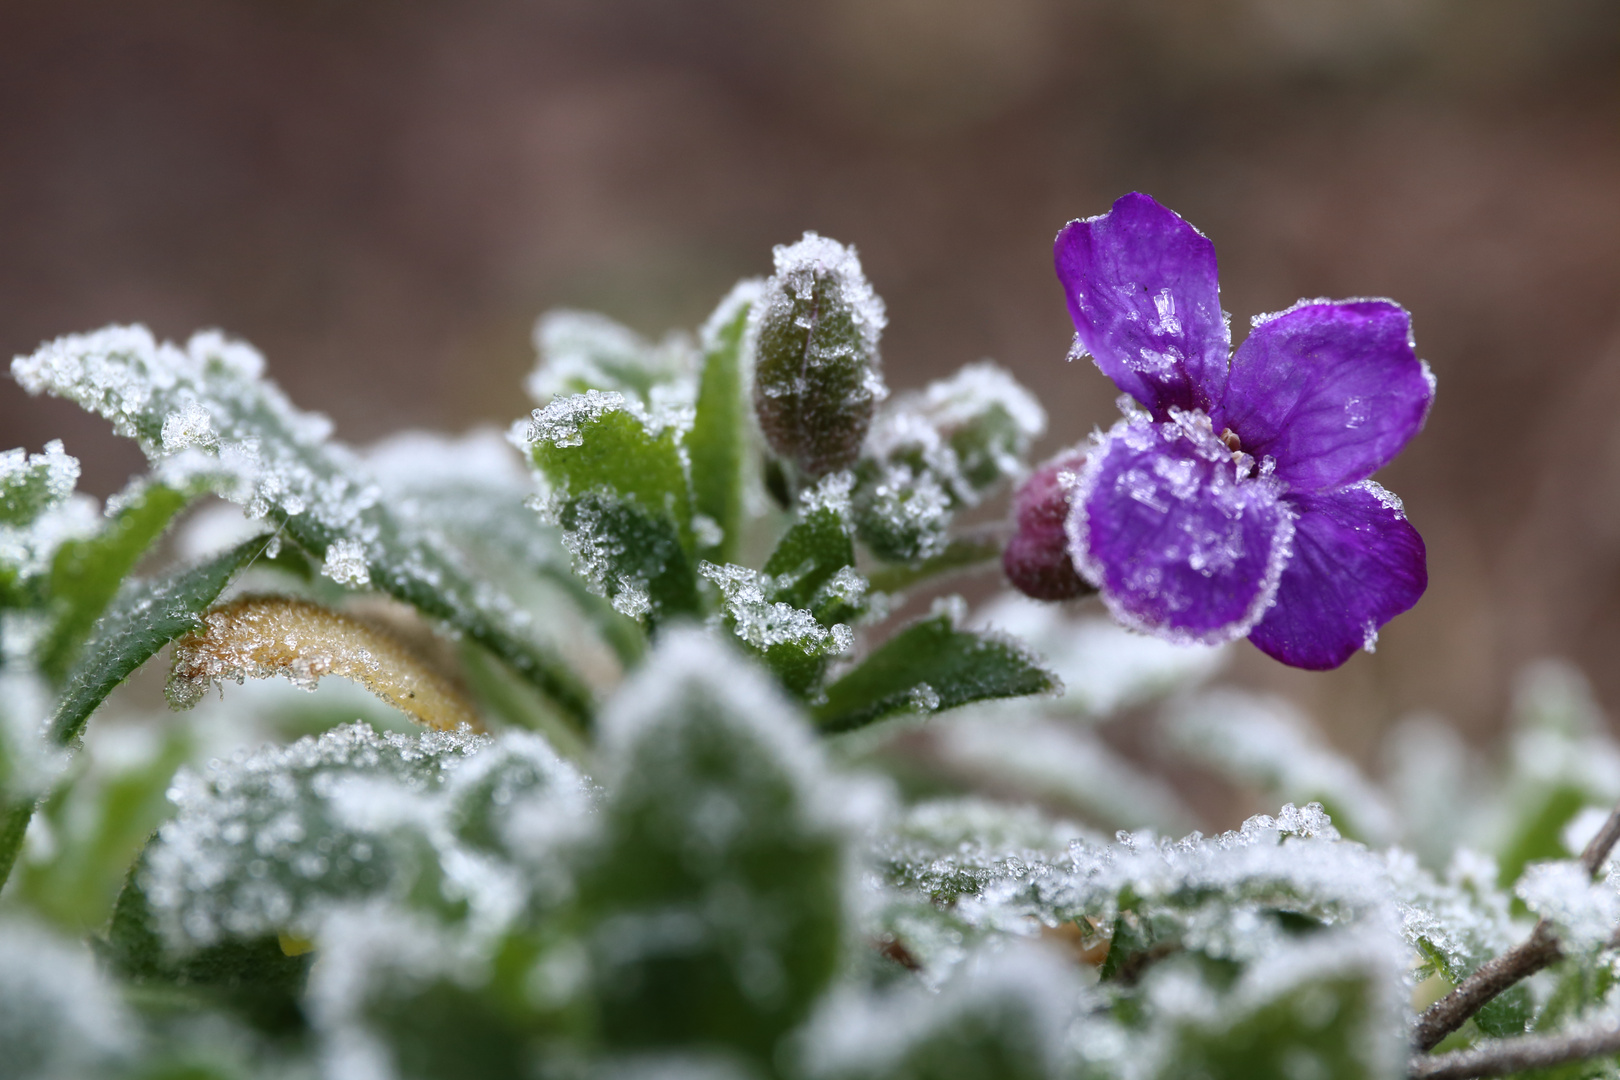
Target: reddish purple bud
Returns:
[1036, 560]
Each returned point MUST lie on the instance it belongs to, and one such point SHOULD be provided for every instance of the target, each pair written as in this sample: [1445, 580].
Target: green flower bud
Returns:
[815, 335]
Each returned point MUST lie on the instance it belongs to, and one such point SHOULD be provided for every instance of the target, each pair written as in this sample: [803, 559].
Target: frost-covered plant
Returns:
[689, 802]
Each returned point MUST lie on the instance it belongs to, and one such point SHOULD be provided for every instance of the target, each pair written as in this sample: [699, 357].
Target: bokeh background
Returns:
[382, 194]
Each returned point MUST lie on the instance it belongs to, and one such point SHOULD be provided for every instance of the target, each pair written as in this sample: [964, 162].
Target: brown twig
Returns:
[1520, 962]
[1499, 1058]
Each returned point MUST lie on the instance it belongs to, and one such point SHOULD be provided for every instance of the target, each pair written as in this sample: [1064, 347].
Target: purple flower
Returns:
[1237, 500]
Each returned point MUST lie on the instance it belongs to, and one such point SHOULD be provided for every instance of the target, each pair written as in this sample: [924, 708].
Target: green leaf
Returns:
[86, 573]
[816, 547]
[205, 414]
[718, 442]
[253, 978]
[30, 484]
[931, 666]
[1002, 1016]
[99, 821]
[265, 844]
[713, 906]
[581, 350]
[619, 493]
[791, 641]
[143, 617]
[1325, 1019]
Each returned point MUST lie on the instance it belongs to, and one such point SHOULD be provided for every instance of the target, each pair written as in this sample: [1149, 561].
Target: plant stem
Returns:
[1499, 1058]
[969, 551]
[1520, 962]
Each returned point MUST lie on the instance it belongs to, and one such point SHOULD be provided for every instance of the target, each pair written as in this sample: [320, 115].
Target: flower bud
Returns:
[815, 335]
[1036, 560]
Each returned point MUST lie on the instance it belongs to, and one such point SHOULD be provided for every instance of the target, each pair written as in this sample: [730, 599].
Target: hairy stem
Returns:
[263, 636]
[972, 550]
[1520, 962]
[1499, 1058]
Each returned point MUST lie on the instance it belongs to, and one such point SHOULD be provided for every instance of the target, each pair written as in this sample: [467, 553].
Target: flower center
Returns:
[1230, 438]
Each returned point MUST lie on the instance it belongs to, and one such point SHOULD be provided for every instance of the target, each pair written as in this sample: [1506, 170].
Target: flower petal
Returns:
[1145, 299]
[1179, 540]
[1332, 391]
[1357, 564]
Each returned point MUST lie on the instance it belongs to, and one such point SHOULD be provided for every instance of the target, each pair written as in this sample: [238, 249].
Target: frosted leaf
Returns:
[276, 461]
[38, 510]
[1219, 890]
[32, 483]
[1458, 922]
[1005, 749]
[716, 896]
[903, 514]
[1104, 667]
[1321, 1005]
[268, 841]
[365, 997]
[582, 351]
[1001, 1016]
[260, 637]
[970, 432]
[1430, 776]
[30, 763]
[1584, 911]
[761, 624]
[1265, 743]
[60, 1018]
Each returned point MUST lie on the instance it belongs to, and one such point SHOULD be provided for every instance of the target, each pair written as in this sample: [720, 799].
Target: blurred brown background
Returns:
[382, 194]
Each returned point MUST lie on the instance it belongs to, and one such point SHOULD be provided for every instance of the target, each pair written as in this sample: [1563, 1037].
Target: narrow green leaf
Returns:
[595, 441]
[931, 666]
[86, 573]
[143, 617]
[719, 433]
[204, 414]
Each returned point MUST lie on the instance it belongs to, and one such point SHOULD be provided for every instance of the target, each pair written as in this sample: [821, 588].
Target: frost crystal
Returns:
[969, 432]
[764, 624]
[346, 563]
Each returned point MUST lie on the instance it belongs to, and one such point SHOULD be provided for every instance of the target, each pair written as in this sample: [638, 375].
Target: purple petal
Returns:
[1146, 304]
[1036, 559]
[1332, 391]
[1357, 564]
[1177, 537]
